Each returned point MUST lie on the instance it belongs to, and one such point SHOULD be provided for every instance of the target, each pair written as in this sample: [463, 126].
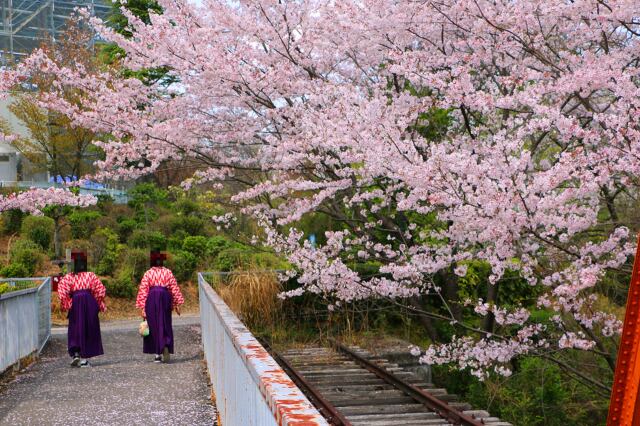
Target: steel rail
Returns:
[325, 408]
[439, 407]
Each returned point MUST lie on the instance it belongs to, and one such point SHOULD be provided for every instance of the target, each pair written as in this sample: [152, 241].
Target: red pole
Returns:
[624, 407]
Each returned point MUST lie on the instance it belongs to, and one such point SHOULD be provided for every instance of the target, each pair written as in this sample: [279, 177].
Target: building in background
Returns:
[25, 24]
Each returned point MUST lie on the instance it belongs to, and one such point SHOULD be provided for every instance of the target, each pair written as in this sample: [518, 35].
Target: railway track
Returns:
[349, 386]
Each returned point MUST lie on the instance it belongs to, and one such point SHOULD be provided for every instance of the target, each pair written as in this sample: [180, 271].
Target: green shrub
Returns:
[123, 285]
[145, 194]
[134, 263]
[15, 270]
[238, 256]
[232, 258]
[38, 229]
[12, 221]
[534, 393]
[83, 223]
[137, 260]
[152, 240]
[107, 221]
[266, 260]
[192, 225]
[4, 288]
[125, 229]
[28, 254]
[183, 265]
[537, 393]
[186, 206]
[216, 244]
[105, 202]
[145, 217]
[175, 241]
[196, 245]
[163, 224]
[107, 251]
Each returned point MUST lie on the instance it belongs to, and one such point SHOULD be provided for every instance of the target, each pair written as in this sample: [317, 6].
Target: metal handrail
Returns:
[24, 291]
[30, 310]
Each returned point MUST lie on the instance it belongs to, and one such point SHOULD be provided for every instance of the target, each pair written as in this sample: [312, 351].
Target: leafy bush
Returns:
[176, 240]
[107, 221]
[105, 202]
[123, 285]
[83, 223]
[125, 228]
[107, 251]
[137, 260]
[232, 258]
[216, 244]
[196, 245]
[134, 263]
[38, 229]
[186, 206]
[153, 240]
[145, 194]
[14, 270]
[266, 260]
[184, 265]
[192, 225]
[28, 254]
[12, 221]
[163, 224]
[536, 394]
[4, 288]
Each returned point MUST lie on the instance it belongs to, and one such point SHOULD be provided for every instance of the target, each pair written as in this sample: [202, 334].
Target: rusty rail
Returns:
[326, 408]
[440, 407]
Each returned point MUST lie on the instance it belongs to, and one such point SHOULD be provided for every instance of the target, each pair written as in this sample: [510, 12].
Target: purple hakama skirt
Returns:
[83, 333]
[158, 311]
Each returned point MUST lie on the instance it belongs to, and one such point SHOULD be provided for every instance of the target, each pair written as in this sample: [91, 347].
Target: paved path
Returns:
[122, 388]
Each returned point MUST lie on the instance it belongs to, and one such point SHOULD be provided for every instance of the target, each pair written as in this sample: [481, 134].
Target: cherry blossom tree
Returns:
[34, 200]
[443, 135]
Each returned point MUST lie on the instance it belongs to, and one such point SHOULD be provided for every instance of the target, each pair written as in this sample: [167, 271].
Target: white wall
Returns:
[8, 154]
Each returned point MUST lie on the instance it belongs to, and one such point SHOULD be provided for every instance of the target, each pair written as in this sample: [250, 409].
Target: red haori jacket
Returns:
[158, 276]
[82, 281]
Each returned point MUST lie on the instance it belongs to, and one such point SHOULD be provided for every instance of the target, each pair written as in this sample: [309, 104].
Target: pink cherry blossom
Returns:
[328, 102]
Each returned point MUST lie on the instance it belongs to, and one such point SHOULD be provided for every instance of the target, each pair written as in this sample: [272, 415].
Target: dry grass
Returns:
[126, 308]
[253, 295]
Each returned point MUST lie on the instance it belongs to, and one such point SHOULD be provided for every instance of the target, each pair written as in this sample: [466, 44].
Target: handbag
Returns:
[143, 329]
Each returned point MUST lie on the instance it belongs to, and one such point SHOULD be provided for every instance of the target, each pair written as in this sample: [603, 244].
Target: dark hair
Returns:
[79, 261]
[157, 258]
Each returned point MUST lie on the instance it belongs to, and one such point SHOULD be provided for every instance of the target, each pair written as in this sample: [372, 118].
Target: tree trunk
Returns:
[488, 323]
[450, 294]
[57, 244]
[425, 321]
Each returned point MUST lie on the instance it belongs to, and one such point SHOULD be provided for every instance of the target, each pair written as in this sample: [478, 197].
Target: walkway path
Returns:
[122, 388]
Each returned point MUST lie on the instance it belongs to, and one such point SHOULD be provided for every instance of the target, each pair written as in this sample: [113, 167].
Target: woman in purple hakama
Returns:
[82, 294]
[158, 294]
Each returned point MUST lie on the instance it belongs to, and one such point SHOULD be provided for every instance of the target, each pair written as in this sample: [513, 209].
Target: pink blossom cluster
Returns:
[487, 355]
[35, 199]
